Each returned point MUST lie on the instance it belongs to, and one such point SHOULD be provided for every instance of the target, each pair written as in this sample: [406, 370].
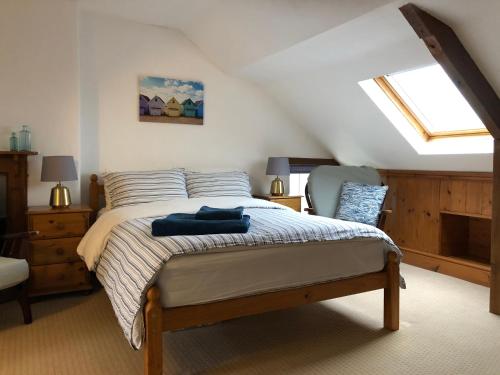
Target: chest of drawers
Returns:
[55, 267]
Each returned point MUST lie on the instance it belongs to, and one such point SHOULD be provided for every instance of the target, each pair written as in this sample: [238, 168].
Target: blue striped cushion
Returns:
[129, 188]
[218, 184]
[360, 203]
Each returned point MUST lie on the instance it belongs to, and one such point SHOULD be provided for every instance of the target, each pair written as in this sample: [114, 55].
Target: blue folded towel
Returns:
[210, 213]
[187, 224]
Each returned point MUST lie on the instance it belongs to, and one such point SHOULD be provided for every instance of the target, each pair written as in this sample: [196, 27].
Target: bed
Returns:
[196, 287]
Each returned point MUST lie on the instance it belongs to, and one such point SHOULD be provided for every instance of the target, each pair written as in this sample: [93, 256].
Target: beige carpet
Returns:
[445, 329]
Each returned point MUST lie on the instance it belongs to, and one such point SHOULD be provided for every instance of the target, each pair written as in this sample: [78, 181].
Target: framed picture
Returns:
[170, 100]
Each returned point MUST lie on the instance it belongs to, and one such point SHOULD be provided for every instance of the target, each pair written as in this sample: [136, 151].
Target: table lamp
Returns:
[59, 168]
[277, 167]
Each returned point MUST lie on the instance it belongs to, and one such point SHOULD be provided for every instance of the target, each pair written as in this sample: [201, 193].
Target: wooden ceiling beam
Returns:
[449, 52]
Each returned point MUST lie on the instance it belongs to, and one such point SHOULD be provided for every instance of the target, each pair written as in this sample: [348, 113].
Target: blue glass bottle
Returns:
[25, 139]
[13, 142]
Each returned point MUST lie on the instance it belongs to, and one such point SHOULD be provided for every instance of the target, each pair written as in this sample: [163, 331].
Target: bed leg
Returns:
[153, 348]
[391, 294]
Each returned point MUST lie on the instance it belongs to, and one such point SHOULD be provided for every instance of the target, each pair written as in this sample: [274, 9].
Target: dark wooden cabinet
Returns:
[55, 267]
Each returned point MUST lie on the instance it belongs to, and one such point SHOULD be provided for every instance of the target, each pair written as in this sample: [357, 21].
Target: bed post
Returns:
[153, 348]
[391, 293]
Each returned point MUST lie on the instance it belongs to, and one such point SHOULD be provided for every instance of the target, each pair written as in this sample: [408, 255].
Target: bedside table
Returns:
[55, 267]
[292, 201]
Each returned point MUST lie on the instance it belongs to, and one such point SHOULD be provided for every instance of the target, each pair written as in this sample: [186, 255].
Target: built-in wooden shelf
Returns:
[18, 153]
[479, 216]
[466, 237]
[442, 220]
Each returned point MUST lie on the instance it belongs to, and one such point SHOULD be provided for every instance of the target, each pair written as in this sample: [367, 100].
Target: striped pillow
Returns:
[218, 184]
[129, 188]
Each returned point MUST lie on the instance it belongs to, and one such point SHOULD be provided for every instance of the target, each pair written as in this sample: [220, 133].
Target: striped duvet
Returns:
[129, 258]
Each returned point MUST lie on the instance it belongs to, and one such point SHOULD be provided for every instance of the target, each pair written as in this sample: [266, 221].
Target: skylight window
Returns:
[430, 112]
[432, 102]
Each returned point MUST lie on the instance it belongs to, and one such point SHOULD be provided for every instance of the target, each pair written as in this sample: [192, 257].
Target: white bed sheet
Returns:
[202, 278]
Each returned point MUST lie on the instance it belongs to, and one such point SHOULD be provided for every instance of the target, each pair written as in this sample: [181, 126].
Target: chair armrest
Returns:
[309, 210]
[16, 245]
[21, 235]
[382, 217]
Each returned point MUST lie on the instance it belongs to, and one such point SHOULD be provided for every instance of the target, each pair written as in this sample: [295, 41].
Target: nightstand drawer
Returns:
[293, 203]
[59, 225]
[58, 250]
[58, 278]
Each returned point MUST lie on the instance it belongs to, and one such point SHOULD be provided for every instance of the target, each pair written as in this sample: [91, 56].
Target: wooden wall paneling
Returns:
[473, 197]
[486, 198]
[453, 195]
[415, 219]
[442, 215]
[428, 218]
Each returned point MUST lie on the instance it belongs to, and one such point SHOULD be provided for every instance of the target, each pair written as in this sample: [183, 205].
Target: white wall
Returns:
[39, 82]
[242, 126]
[324, 72]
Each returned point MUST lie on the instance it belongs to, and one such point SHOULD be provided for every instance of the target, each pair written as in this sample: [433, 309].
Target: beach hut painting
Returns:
[199, 108]
[143, 105]
[188, 108]
[156, 106]
[173, 108]
[166, 95]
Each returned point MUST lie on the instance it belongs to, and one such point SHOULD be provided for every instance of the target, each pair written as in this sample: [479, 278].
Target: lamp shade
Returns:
[278, 167]
[58, 168]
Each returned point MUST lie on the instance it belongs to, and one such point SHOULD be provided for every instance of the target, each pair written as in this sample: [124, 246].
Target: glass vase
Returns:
[13, 142]
[25, 139]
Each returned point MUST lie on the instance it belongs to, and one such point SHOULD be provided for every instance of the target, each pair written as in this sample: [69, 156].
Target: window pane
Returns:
[298, 183]
[435, 100]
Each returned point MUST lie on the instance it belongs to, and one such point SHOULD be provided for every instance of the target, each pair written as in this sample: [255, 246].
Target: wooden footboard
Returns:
[158, 320]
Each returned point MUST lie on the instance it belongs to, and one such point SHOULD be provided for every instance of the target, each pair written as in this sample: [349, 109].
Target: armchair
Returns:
[325, 183]
[14, 271]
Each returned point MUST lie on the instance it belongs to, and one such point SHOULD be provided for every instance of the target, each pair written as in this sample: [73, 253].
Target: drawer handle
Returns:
[59, 251]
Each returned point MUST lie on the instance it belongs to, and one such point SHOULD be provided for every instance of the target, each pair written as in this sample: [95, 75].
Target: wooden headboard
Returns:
[96, 192]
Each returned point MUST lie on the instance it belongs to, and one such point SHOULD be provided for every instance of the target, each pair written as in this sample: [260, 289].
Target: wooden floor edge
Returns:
[477, 274]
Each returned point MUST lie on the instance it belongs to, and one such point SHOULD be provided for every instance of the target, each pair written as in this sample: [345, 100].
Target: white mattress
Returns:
[202, 278]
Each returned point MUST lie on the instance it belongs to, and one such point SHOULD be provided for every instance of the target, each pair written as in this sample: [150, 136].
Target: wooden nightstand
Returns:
[292, 201]
[55, 267]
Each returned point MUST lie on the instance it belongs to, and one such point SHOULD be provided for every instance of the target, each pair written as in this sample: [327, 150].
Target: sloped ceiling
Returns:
[310, 55]
[234, 33]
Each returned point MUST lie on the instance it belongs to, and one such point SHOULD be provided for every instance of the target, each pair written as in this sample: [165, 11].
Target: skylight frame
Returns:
[384, 84]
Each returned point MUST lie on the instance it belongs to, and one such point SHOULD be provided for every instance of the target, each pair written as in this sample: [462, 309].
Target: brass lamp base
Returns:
[277, 187]
[60, 197]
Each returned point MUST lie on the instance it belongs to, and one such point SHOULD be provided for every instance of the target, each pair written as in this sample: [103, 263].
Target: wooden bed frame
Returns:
[158, 319]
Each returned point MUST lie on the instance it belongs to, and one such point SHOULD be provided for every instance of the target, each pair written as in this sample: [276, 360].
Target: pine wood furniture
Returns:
[442, 220]
[292, 201]
[158, 319]
[55, 267]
